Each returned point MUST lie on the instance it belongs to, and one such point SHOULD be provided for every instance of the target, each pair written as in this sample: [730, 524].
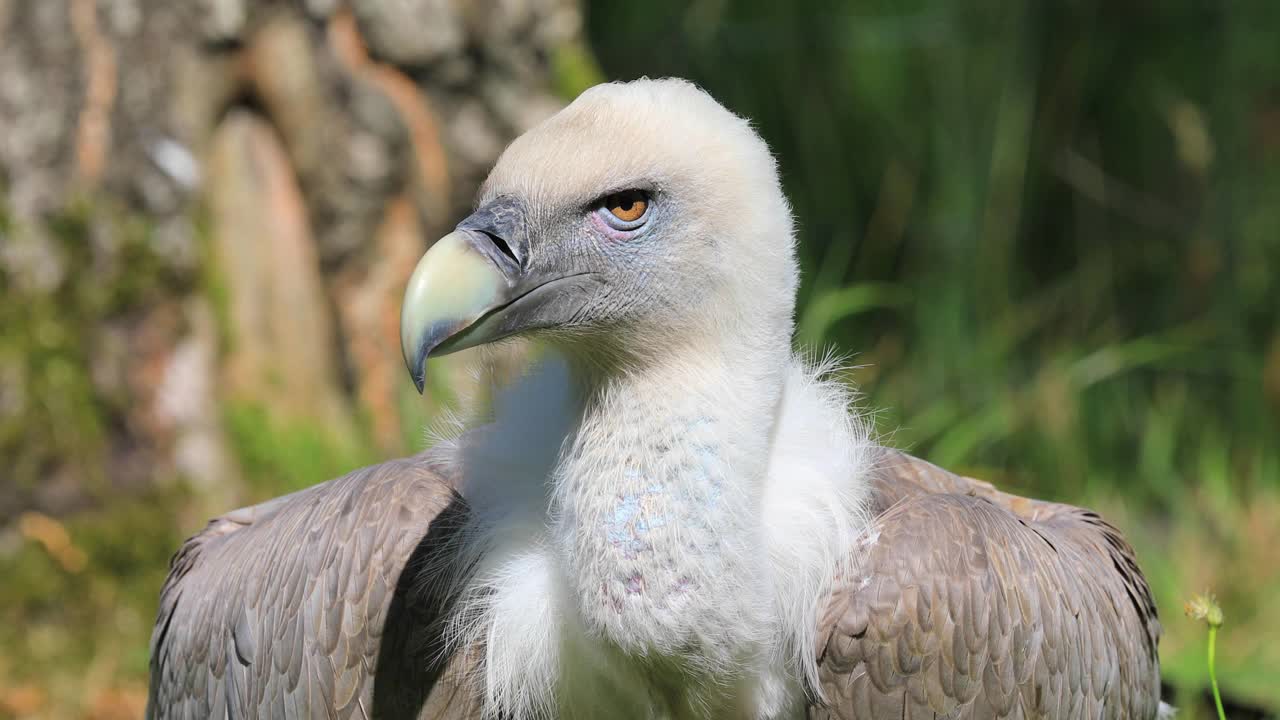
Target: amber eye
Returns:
[627, 206]
[625, 210]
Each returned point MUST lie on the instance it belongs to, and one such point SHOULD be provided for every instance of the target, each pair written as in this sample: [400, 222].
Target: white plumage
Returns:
[679, 514]
[656, 543]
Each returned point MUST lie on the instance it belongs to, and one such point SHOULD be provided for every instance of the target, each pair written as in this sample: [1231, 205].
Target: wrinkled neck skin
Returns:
[631, 550]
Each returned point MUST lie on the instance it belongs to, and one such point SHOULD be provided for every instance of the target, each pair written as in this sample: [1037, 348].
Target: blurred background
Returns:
[1047, 233]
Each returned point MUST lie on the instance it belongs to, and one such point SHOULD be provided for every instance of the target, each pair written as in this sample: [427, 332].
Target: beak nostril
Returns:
[502, 245]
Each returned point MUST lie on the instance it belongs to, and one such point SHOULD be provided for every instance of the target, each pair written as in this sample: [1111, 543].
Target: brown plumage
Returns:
[968, 603]
[973, 603]
[292, 607]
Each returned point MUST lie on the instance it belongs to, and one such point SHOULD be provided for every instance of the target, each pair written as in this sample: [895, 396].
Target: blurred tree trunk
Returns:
[209, 208]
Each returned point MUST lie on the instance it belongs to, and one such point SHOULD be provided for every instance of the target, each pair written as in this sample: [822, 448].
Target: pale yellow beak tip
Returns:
[452, 286]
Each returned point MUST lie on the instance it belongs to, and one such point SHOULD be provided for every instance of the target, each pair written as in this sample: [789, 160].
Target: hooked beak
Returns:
[475, 286]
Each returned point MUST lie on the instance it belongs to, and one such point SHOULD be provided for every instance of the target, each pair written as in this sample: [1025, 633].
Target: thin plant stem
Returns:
[1213, 675]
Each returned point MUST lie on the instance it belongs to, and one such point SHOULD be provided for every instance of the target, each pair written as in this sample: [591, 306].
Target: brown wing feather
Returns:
[972, 603]
[290, 608]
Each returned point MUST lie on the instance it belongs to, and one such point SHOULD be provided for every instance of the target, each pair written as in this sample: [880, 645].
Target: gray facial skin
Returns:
[487, 280]
[565, 269]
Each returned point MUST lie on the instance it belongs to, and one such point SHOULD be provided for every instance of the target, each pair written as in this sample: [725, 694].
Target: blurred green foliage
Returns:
[1049, 233]
[279, 459]
[46, 346]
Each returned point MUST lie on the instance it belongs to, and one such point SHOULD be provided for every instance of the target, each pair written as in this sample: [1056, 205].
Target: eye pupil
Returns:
[627, 206]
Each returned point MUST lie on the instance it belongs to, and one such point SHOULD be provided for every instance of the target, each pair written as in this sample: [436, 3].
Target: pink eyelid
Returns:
[610, 230]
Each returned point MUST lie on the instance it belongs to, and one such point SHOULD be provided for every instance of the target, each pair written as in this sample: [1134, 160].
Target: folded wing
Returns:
[971, 603]
[292, 607]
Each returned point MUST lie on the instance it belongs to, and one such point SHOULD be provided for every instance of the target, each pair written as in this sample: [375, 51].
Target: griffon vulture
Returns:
[670, 515]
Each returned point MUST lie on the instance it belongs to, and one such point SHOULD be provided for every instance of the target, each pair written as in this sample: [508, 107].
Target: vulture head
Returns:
[643, 217]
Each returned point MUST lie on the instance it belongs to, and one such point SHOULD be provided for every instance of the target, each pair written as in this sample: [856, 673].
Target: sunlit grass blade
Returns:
[832, 306]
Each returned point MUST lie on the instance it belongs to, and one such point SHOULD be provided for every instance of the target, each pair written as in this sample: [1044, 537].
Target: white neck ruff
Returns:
[659, 539]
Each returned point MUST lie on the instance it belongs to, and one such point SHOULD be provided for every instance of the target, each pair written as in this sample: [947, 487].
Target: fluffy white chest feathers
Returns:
[660, 546]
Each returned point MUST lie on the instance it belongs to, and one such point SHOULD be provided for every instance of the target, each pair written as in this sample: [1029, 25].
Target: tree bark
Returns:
[212, 206]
